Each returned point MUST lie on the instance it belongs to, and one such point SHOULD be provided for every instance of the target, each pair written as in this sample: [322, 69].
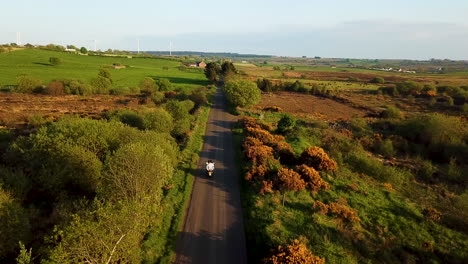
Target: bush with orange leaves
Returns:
[338, 210]
[317, 158]
[259, 153]
[432, 214]
[261, 134]
[267, 187]
[295, 253]
[256, 173]
[312, 178]
[251, 122]
[290, 180]
[250, 142]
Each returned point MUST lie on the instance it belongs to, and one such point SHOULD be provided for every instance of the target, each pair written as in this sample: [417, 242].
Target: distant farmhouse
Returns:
[200, 64]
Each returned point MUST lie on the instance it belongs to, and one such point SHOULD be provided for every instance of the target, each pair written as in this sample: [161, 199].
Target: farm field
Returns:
[35, 62]
[20, 109]
[310, 106]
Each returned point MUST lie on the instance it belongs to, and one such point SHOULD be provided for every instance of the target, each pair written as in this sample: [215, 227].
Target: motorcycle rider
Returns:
[210, 167]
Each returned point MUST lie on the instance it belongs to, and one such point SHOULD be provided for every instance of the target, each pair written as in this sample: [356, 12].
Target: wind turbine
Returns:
[138, 46]
[18, 38]
[170, 48]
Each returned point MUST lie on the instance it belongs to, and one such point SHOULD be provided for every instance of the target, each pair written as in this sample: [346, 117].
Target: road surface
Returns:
[213, 230]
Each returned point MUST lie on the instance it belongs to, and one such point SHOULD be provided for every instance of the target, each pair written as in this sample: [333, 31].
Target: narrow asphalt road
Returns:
[213, 230]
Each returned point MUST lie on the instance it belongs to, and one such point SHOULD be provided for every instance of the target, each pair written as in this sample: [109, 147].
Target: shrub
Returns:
[147, 86]
[444, 136]
[285, 152]
[256, 173]
[55, 88]
[267, 187]
[79, 87]
[337, 210]
[101, 85]
[409, 87]
[426, 170]
[385, 147]
[449, 101]
[360, 162]
[252, 123]
[199, 98]
[258, 153]
[158, 97]
[391, 112]
[55, 61]
[105, 73]
[27, 84]
[295, 253]
[378, 80]
[312, 178]
[360, 127]
[432, 214]
[275, 109]
[36, 121]
[127, 117]
[289, 180]
[429, 90]
[464, 108]
[286, 124]
[120, 91]
[317, 158]
[265, 85]
[163, 85]
[242, 93]
[264, 136]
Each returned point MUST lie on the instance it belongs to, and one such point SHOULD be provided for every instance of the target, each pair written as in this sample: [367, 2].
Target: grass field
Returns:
[35, 63]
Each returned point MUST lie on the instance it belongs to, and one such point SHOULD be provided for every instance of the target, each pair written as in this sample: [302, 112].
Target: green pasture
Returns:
[35, 63]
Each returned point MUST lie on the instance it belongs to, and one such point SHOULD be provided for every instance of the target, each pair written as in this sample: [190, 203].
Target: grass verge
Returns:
[159, 246]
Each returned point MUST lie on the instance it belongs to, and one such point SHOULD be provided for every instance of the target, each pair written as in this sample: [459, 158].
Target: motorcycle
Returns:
[210, 167]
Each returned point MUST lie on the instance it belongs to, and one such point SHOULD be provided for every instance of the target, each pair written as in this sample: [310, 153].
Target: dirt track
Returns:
[213, 230]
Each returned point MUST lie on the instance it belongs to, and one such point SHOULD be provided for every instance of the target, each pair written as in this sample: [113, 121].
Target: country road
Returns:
[213, 230]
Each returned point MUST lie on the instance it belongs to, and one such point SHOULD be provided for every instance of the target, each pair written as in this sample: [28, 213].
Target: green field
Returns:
[35, 63]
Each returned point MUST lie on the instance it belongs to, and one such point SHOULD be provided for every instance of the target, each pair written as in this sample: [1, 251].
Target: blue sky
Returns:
[414, 29]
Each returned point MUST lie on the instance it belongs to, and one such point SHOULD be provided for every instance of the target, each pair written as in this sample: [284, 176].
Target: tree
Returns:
[83, 50]
[212, 71]
[55, 61]
[14, 225]
[228, 68]
[137, 171]
[242, 93]
[158, 120]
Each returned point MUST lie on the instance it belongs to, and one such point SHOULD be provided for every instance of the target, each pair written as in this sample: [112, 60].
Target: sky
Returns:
[374, 29]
